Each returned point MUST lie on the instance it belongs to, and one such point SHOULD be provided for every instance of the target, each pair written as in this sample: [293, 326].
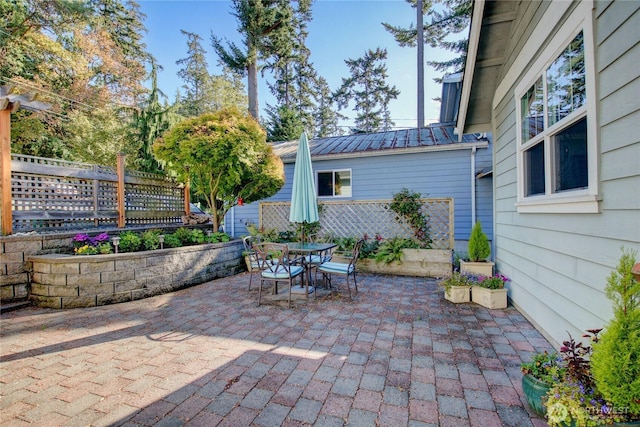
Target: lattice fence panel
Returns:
[359, 218]
[52, 194]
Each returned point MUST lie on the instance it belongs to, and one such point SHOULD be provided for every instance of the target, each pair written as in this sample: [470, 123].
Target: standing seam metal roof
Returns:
[438, 134]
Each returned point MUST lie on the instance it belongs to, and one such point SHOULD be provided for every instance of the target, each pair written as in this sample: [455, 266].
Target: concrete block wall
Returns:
[69, 281]
[15, 249]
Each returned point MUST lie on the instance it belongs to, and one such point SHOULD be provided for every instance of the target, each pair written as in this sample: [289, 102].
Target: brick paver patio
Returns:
[397, 355]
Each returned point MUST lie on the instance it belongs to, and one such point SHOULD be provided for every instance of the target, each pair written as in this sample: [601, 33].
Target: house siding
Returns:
[434, 174]
[559, 263]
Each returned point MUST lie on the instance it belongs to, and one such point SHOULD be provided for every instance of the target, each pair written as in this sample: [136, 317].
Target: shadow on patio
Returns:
[398, 354]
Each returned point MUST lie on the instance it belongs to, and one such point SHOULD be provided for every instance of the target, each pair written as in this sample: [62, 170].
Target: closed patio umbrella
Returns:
[304, 206]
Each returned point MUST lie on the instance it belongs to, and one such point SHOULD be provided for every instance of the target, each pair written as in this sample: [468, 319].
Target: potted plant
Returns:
[490, 292]
[615, 360]
[539, 375]
[457, 287]
[479, 250]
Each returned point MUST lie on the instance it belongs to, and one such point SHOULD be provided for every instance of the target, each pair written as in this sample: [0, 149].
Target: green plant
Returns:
[478, 247]
[370, 247]
[391, 249]
[409, 205]
[218, 237]
[345, 243]
[615, 360]
[458, 279]
[494, 282]
[546, 367]
[172, 241]
[184, 235]
[129, 241]
[197, 236]
[576, 400]
[150, 240]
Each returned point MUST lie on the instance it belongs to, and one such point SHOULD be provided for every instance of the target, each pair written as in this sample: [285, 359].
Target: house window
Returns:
[334, 183]
[556, 145]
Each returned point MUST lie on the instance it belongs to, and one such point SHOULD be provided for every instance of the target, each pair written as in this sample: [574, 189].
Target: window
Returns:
[334, 183]
[556, 143]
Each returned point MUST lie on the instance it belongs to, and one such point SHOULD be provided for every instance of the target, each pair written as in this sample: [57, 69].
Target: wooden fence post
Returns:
[187, 194]
[120, 196]
[5, 171]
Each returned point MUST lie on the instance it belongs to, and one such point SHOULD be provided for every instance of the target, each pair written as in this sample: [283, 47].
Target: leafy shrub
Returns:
[150, 240]
[218, 237]
[172, 241]
[129, 242]
[184, 234]
[391, 249]
[615, 361]
[197, 236]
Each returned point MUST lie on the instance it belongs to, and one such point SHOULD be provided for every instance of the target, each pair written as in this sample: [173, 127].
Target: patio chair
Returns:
[276, 266]
[253, 263]
[328, 269]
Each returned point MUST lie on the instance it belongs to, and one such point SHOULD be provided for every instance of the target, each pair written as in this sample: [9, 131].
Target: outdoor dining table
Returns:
[307, 250]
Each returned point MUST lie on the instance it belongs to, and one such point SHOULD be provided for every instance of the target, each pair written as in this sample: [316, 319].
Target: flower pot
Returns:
[489, 298]
[481, 268]
[535, 391]
[458, 294]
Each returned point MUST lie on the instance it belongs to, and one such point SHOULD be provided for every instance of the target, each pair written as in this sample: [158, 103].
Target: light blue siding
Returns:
[559, 263]
[433, 174]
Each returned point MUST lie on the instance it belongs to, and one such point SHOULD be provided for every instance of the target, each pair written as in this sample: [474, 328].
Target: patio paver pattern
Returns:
[397, 355]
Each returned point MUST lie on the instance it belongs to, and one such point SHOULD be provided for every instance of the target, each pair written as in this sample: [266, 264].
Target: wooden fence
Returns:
[368, 217]
[51, 194]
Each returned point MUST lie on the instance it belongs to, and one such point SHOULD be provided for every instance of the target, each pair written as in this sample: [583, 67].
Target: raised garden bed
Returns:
[415, 262]
[69, 281]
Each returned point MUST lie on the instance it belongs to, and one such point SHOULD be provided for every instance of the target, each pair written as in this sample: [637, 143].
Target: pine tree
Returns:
[369, 91]
[195, 75]
[264, 25]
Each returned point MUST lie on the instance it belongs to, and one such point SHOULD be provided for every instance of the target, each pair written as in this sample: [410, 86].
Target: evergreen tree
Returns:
[284, 124]
[369, 91]
[453, 19]
[325, 115]
[195, 75]
[264, 25]
[150, 121]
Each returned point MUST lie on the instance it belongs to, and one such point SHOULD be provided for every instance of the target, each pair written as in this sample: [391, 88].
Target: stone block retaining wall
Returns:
[69, 281]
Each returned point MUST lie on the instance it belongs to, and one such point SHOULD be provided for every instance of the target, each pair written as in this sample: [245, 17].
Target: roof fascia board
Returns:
[552, 16]
[397, 151]
[467, 80]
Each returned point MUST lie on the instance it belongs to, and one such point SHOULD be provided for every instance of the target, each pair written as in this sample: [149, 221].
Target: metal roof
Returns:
[435, 136]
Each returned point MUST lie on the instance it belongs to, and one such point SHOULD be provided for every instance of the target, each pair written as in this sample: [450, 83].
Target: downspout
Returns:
[233, 222]
[473, 186]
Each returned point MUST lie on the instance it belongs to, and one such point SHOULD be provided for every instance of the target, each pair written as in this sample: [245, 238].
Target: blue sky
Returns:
[340, 30]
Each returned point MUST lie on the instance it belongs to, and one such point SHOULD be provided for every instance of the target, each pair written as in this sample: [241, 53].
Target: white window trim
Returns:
[575, 201]
[334, 171]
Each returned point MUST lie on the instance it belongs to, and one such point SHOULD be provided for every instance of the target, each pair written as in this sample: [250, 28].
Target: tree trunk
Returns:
[252, 73]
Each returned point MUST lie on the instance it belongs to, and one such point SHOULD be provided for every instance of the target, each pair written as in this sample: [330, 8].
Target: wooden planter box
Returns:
[458, 294]
[415, 262]
[482, 268]
[489, 298]
[69, 281]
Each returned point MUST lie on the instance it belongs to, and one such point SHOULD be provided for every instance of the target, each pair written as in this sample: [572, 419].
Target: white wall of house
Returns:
[558, 253]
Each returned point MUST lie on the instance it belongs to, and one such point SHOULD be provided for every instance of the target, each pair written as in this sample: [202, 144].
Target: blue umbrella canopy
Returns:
[304, 206]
